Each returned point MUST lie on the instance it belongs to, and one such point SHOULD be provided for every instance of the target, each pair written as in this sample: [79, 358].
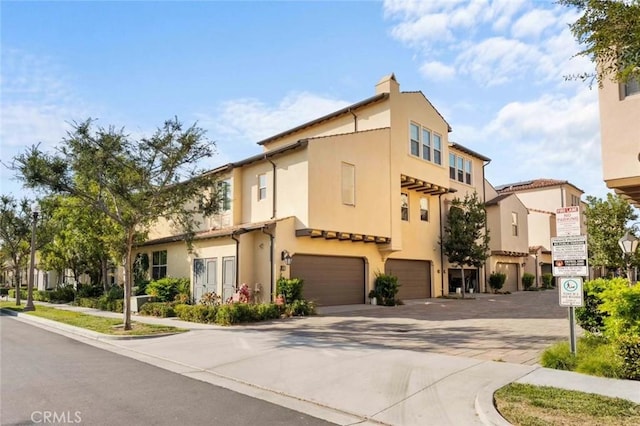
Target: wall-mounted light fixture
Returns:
[285, 257]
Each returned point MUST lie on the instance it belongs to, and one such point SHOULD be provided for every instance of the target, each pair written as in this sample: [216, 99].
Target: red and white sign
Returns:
[568, 221]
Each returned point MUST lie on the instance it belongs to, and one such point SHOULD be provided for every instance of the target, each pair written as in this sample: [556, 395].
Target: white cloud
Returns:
[437, 71]
[533, 23]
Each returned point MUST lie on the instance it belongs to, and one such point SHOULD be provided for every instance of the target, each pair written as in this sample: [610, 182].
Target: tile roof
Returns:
[496, 200]
[532, 184]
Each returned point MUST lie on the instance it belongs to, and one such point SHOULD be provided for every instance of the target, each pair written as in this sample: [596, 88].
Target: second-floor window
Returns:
[262, 186]
[159, 265]
[575, 201]
[460, 168]
[404, 206]
[424, 209]
[514, 224]
[632, 87]
[425, 144]
[348, 184]
[224, 195]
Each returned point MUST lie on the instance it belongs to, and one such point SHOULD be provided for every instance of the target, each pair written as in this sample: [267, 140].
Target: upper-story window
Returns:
[425, 144]
[224, 195]
[159, 265]
[262, 186]
[460, 169]
[424, 209]
[514, 224]
[575, 200]
[404, 206]
[632, 87]
[348, 184]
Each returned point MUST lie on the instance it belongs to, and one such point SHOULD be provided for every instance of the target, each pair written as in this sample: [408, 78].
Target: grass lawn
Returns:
[103, 325]
[528, 405]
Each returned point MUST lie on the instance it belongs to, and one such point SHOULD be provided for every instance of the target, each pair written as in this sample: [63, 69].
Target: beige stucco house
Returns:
[620, 137]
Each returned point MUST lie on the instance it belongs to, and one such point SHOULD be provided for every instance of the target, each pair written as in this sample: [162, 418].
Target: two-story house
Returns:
[620, 137]
[542, 197]
[334, 201]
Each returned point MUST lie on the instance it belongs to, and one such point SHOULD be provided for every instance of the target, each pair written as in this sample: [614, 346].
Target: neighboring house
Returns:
[507, 220]
[542, 197]
[620, 137]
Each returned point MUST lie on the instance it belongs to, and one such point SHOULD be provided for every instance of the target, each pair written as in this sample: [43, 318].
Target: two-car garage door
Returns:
[330, 280]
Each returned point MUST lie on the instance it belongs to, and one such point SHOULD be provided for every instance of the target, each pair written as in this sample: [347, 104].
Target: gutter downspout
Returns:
[486, 230]
[273, 214]
[271, 258]
[233, 237]
[441, 252]
[355, 120]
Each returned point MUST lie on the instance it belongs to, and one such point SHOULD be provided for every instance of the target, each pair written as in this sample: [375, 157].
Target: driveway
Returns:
[514, 328]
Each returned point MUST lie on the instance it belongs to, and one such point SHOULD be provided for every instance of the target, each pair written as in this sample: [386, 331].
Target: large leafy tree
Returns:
[465, 240]
[609, 31]
[606, 223]
[15, 235]
[132, 182]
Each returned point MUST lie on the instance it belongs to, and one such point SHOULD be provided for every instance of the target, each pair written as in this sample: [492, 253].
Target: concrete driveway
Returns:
[514, 328]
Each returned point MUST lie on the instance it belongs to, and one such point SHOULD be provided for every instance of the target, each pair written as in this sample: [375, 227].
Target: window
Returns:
[404, 206]
[467, 172]
[632, 87]
[426, 144]
[424, 209]
[224, 195]
[575, 201]
[159, 265]
[460, 169]
[415, 140]
[348, 184]
[262, 186]
[437, 149]
[514, 224]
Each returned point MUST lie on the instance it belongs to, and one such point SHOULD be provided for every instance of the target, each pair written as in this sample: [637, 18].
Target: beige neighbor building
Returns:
[358, 192]
[620, 137]
[542, 197]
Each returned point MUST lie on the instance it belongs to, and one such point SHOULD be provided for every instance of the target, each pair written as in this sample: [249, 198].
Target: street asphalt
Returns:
[374, 365]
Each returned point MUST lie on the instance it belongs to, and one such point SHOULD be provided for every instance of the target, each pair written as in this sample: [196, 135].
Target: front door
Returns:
[228, 277]
[204, 276]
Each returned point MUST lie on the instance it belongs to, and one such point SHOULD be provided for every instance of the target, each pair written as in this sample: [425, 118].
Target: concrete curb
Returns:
[89, 334]
[487, 412]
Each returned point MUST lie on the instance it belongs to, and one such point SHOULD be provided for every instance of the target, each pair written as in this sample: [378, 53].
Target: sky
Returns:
[246, 70]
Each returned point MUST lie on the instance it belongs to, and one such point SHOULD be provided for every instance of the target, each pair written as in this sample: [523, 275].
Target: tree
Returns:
[606, 224]
[609, 30]
[465, 240]
[15, 235]
[132, 182]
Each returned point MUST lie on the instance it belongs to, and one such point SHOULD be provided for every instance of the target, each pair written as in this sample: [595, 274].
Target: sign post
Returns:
[569, 256]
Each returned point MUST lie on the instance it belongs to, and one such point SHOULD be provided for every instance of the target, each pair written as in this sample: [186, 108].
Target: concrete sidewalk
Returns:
[343, 382]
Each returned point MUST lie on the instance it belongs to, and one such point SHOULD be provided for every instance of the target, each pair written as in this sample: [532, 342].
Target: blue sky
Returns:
[247, 70]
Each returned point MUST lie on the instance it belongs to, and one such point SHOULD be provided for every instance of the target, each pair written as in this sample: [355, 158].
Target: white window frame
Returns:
[437, 149]
[348, 186]
[461, 167]
[426, 144]
[414, 142]
[157, 265]
[424, 209]
[224, 192]
[262, 186]
[404, 206]
[514, 224]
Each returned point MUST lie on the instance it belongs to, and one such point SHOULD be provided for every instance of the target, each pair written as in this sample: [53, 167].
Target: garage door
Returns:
[511, 270]
[330, 280]
[414, 277]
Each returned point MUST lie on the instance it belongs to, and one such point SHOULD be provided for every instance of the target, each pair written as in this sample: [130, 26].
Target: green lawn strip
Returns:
[112, 326]
[529, 405]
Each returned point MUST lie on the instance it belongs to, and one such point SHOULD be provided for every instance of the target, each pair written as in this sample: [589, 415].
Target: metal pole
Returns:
[29, 306]
[572, 331]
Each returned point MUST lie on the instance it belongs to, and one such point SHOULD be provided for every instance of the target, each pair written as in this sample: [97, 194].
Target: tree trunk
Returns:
[16, 276]
[105, 275]
[127, 282]
[462, 279]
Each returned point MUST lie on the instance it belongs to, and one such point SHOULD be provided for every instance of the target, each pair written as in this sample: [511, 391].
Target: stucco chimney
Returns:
[388, 84]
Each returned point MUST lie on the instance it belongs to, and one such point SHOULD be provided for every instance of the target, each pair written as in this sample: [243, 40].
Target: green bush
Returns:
[116, 292]
[267, 311]
[621, 304]
[65, 293]
[597, 357]
[300, 308]
[291, 288]
[89, 290]
[559, 357]
[140, 288]
[547, 280]
[528, 280]
[497, 280]
[386, 288]
[158, 309]
[166, 289]
[103, 303]
[197, 313]
[23, 293]
[628, 350]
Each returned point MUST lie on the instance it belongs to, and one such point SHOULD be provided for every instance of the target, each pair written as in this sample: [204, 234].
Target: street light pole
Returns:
[629, 244]
[34, 212]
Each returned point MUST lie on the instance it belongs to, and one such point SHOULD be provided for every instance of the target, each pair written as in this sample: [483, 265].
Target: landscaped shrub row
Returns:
[166, 289]
[158, 309]
[62, 294]
[233, 313]
[103, 303]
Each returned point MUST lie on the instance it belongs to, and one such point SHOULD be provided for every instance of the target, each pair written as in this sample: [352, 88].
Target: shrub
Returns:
[559, 357]
[528, 280]
[597, 357]
[116, 292]
[267, 311]
[386, 288]
[166, 289]
[23, 293]
[103, 303]
[140, 288]
[89, 290]
[628, 350]
[64, 293]
[197, 313]
[158, 309]
[291, 288]
[300, 308]
[621, 305]
[547, 280]
[496, 280]
[210, 299]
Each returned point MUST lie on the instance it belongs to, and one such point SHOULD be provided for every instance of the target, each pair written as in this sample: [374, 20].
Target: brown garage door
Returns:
[511, 270]
[414, 277]
[330, 280]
